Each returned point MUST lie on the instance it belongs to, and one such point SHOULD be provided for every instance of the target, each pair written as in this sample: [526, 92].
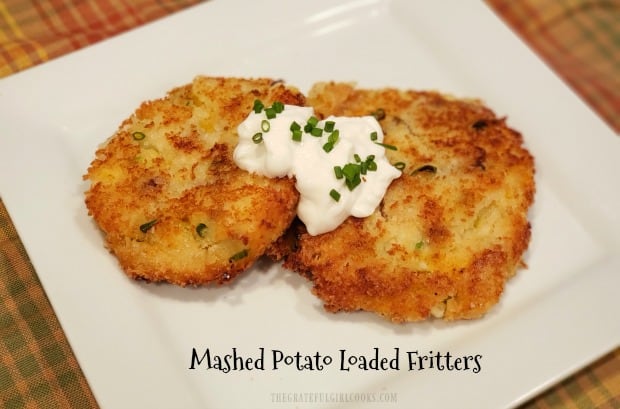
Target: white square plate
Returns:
[135, 341]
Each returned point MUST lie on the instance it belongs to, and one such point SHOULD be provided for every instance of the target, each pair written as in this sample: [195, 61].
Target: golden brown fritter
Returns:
[170, 200]
[448, 233]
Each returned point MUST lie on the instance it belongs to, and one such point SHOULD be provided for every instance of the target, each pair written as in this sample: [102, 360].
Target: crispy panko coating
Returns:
[164, 189]
[448, 233]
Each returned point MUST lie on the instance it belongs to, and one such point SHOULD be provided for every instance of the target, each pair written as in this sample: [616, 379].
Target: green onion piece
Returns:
[379, 114]
[353, 183]
[357, 158]
[138, 136]
[400, 165]
[329, 126]
[316, 132]
[373, 136]
[296, 129]
[278, 106]
[257, 138]
[313, 121]
[370, 163]
[308, 128]
[297, 135]
[351, 172]
[419, 245]
[333, 137]
[258, 106]
[270, 112]
[328, 147]
[200, 229]
[334, 194]
[238, 256]
[146, 226]
[425, 168]
[364, 168]
[387, 146]
[265, 125]
[338, 172]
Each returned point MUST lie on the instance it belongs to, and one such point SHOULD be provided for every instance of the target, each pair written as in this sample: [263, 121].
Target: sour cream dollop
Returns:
[339, 163]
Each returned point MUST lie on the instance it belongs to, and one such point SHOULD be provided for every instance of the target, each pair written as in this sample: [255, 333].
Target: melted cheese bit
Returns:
[339, 163]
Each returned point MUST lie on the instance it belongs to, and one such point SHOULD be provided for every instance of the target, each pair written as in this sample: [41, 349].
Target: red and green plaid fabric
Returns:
[579, 39]
[37, 366]
[34, 31]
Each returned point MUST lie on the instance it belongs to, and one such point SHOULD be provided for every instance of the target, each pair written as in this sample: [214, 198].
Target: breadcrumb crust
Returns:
[448, 233]
[164, 189]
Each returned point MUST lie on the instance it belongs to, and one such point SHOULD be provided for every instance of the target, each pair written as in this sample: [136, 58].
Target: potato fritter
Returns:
[170, 200]
[448, 233]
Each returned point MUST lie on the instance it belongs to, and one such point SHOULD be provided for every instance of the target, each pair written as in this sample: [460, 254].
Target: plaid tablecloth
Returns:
[579, 39]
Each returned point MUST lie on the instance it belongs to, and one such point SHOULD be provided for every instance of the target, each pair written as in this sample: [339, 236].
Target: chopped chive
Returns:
[278, 106]
[258, 106]
[357, 158]
[329, 126]
[338, 172]
[146, 226]
[328, 147]
[425, 168]
[265, 125]
[387, 146]
[364, 168]
[372, 165]
[308, 128]
[419, 245]
[200, 229]
[297, 135]
[400, 165]
[333, 137]
[238, 256]
[334, 194]
[313, 121]
[295, 126]
[354, 182]
[270, 112]
[316, 132]
[373, 136]
[351, 172]
[257, 138]
[138, 136]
